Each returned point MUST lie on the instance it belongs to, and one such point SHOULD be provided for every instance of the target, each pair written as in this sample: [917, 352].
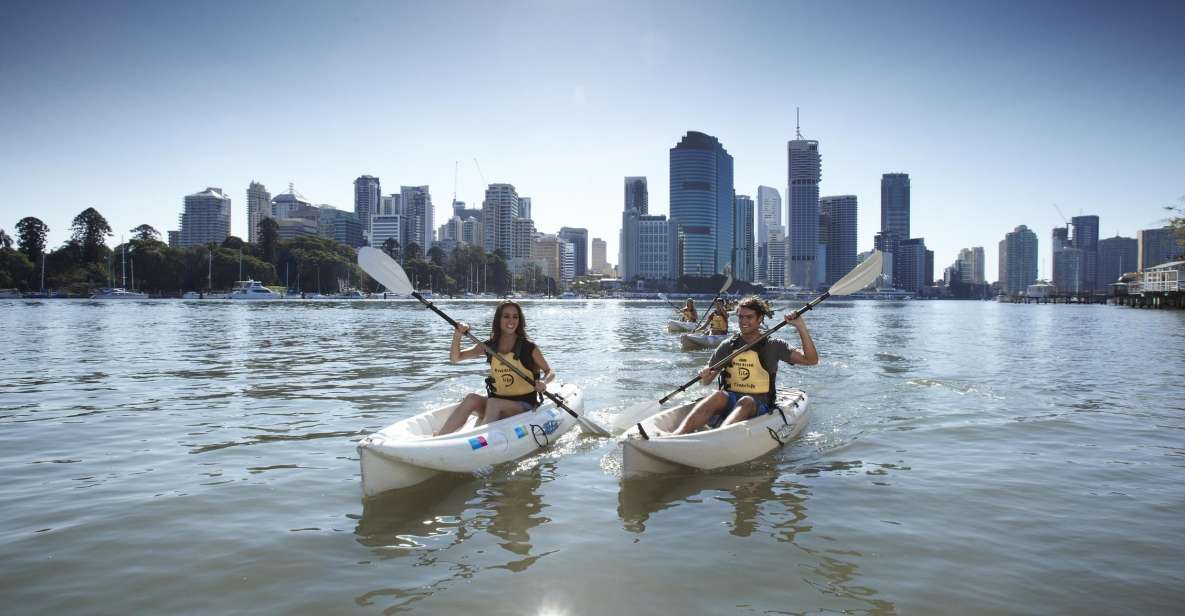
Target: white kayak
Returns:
[405, 453]
[692, 342]
[679, 327]
[711, 448]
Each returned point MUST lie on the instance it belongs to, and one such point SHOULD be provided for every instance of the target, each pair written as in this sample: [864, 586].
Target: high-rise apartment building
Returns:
[656, 248]
[418, 214]
[205, 217]
[285, 205]
[743, 262]
[971, 265]
[1068, 264]
[701, 203]
[367, 193]
[775, 257]
[579, 239]
[259, 206]
[599, 265]
[769, 212]
[523, 231]
[1018, 260]
[913, 265]
[895, 206]
[804, 170]
[1086, 239]
[1157, 246]
[628, 255]
[1117, 256]
[524, 207]
[498, 211]
[840, 213]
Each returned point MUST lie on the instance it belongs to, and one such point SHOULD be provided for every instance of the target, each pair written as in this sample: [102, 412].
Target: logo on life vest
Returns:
[507, 380]
[744, 373]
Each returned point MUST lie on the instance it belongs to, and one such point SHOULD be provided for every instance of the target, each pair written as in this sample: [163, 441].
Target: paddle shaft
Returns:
[492, 353]
[724, 362]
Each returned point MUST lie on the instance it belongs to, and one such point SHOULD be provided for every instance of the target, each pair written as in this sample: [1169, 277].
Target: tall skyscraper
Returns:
[840, 212]
[1086, 239]
[1067, 262]
[913, 265]
[498, 211]
[285, 205]
[418, 214]
[1117, 256]
[769, 212]
[637, 195]
[259, 206]
[579, 239]
[656, 248]
[775, 257]
[894, 215]
[599, 264]
[743, 239]
[1157, 246]
[205, 218]
[1018, 260]
[635, 206]
[367, 193]
[804, 170]
[970, 265]
[701, 203]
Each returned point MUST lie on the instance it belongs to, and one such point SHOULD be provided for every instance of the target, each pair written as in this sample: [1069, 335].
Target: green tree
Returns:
[412, 252]
[16, 270]
[90, 229]
[233, 242]
[1177, 224]
[30, 237]
[391, 247]
[436, 256]
[5, 240]
[269, 235]
[145, 233]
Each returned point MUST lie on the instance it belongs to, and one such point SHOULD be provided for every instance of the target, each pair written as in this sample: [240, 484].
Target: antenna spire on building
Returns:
[291, 190]
[797, 128]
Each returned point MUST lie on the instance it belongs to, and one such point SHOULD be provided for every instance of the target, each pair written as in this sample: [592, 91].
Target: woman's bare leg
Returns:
[498, 408]
[472, 403]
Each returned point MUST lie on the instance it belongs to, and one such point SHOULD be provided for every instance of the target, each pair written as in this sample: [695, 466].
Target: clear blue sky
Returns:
[996, 110]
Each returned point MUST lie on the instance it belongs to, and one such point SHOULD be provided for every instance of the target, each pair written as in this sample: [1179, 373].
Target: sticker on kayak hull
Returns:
[550, 426]
[478, 442]
[520, 431]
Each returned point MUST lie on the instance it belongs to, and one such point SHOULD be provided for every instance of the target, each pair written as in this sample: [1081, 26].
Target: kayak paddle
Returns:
[385, 270]
[861, 276]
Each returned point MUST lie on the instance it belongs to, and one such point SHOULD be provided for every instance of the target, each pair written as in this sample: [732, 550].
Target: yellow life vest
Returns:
[506, 383]
[746, 375]
[687, 316]
[718, 323]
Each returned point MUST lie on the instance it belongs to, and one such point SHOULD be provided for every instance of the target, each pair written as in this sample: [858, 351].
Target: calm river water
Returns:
[961, 458]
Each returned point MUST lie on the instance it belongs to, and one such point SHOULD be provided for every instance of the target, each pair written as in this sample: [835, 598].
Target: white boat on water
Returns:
[351, 294]
[679, 327]
[405, 453]
[252, 290]
[651, 449]
[118, 293]
[10, 294]
[692, 342]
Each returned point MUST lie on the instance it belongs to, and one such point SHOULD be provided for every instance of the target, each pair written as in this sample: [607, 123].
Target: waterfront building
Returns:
[567, 263]
[1018, 260]
[886, 242]
[174, 239]
[284, 205]
[839, 213]
[384, 227]
[769, 212]
[1157, 246]
[205, 217]
[971, 265]
[775, 257]
[499, 209]
[416, 207]
[895, 214]
[636, 199]
[462, 212]
[1067, 262]
[701, 191]
[288, 229]
[1117, 256]
[340, 226]
[1086, 239]
[743, 240]
[524, 207]
[804, 170]
[656, 246]
[259, 206]
[579, 239]
[523, 235]
[600, 265]
[910, 262]
[367, 192]
[547, 253]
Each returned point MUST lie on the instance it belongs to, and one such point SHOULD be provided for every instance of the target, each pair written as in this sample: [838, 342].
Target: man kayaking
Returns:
[507, 393]
[748, 383]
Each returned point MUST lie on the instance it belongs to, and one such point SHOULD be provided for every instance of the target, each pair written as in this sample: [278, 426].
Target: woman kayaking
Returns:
[718, 322]
[507, 393]
[748, 387]
[689, 314]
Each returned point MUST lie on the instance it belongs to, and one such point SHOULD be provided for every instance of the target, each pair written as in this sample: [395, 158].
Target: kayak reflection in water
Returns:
[747, 383]
[507, 393]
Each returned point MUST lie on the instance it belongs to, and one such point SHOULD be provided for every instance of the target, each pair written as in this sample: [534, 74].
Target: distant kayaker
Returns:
[747, 384]
[718, 322]
[689, 313]
[507, 393]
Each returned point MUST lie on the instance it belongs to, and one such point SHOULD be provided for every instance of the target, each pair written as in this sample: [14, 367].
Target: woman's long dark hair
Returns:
[521, 332]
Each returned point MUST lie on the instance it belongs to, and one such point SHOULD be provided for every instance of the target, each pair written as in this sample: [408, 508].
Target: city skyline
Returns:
[995, 115]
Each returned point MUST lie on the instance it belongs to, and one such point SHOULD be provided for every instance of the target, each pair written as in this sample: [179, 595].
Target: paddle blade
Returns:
[591, 427]
[633, 414]
[860, 277]
[384, 269]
